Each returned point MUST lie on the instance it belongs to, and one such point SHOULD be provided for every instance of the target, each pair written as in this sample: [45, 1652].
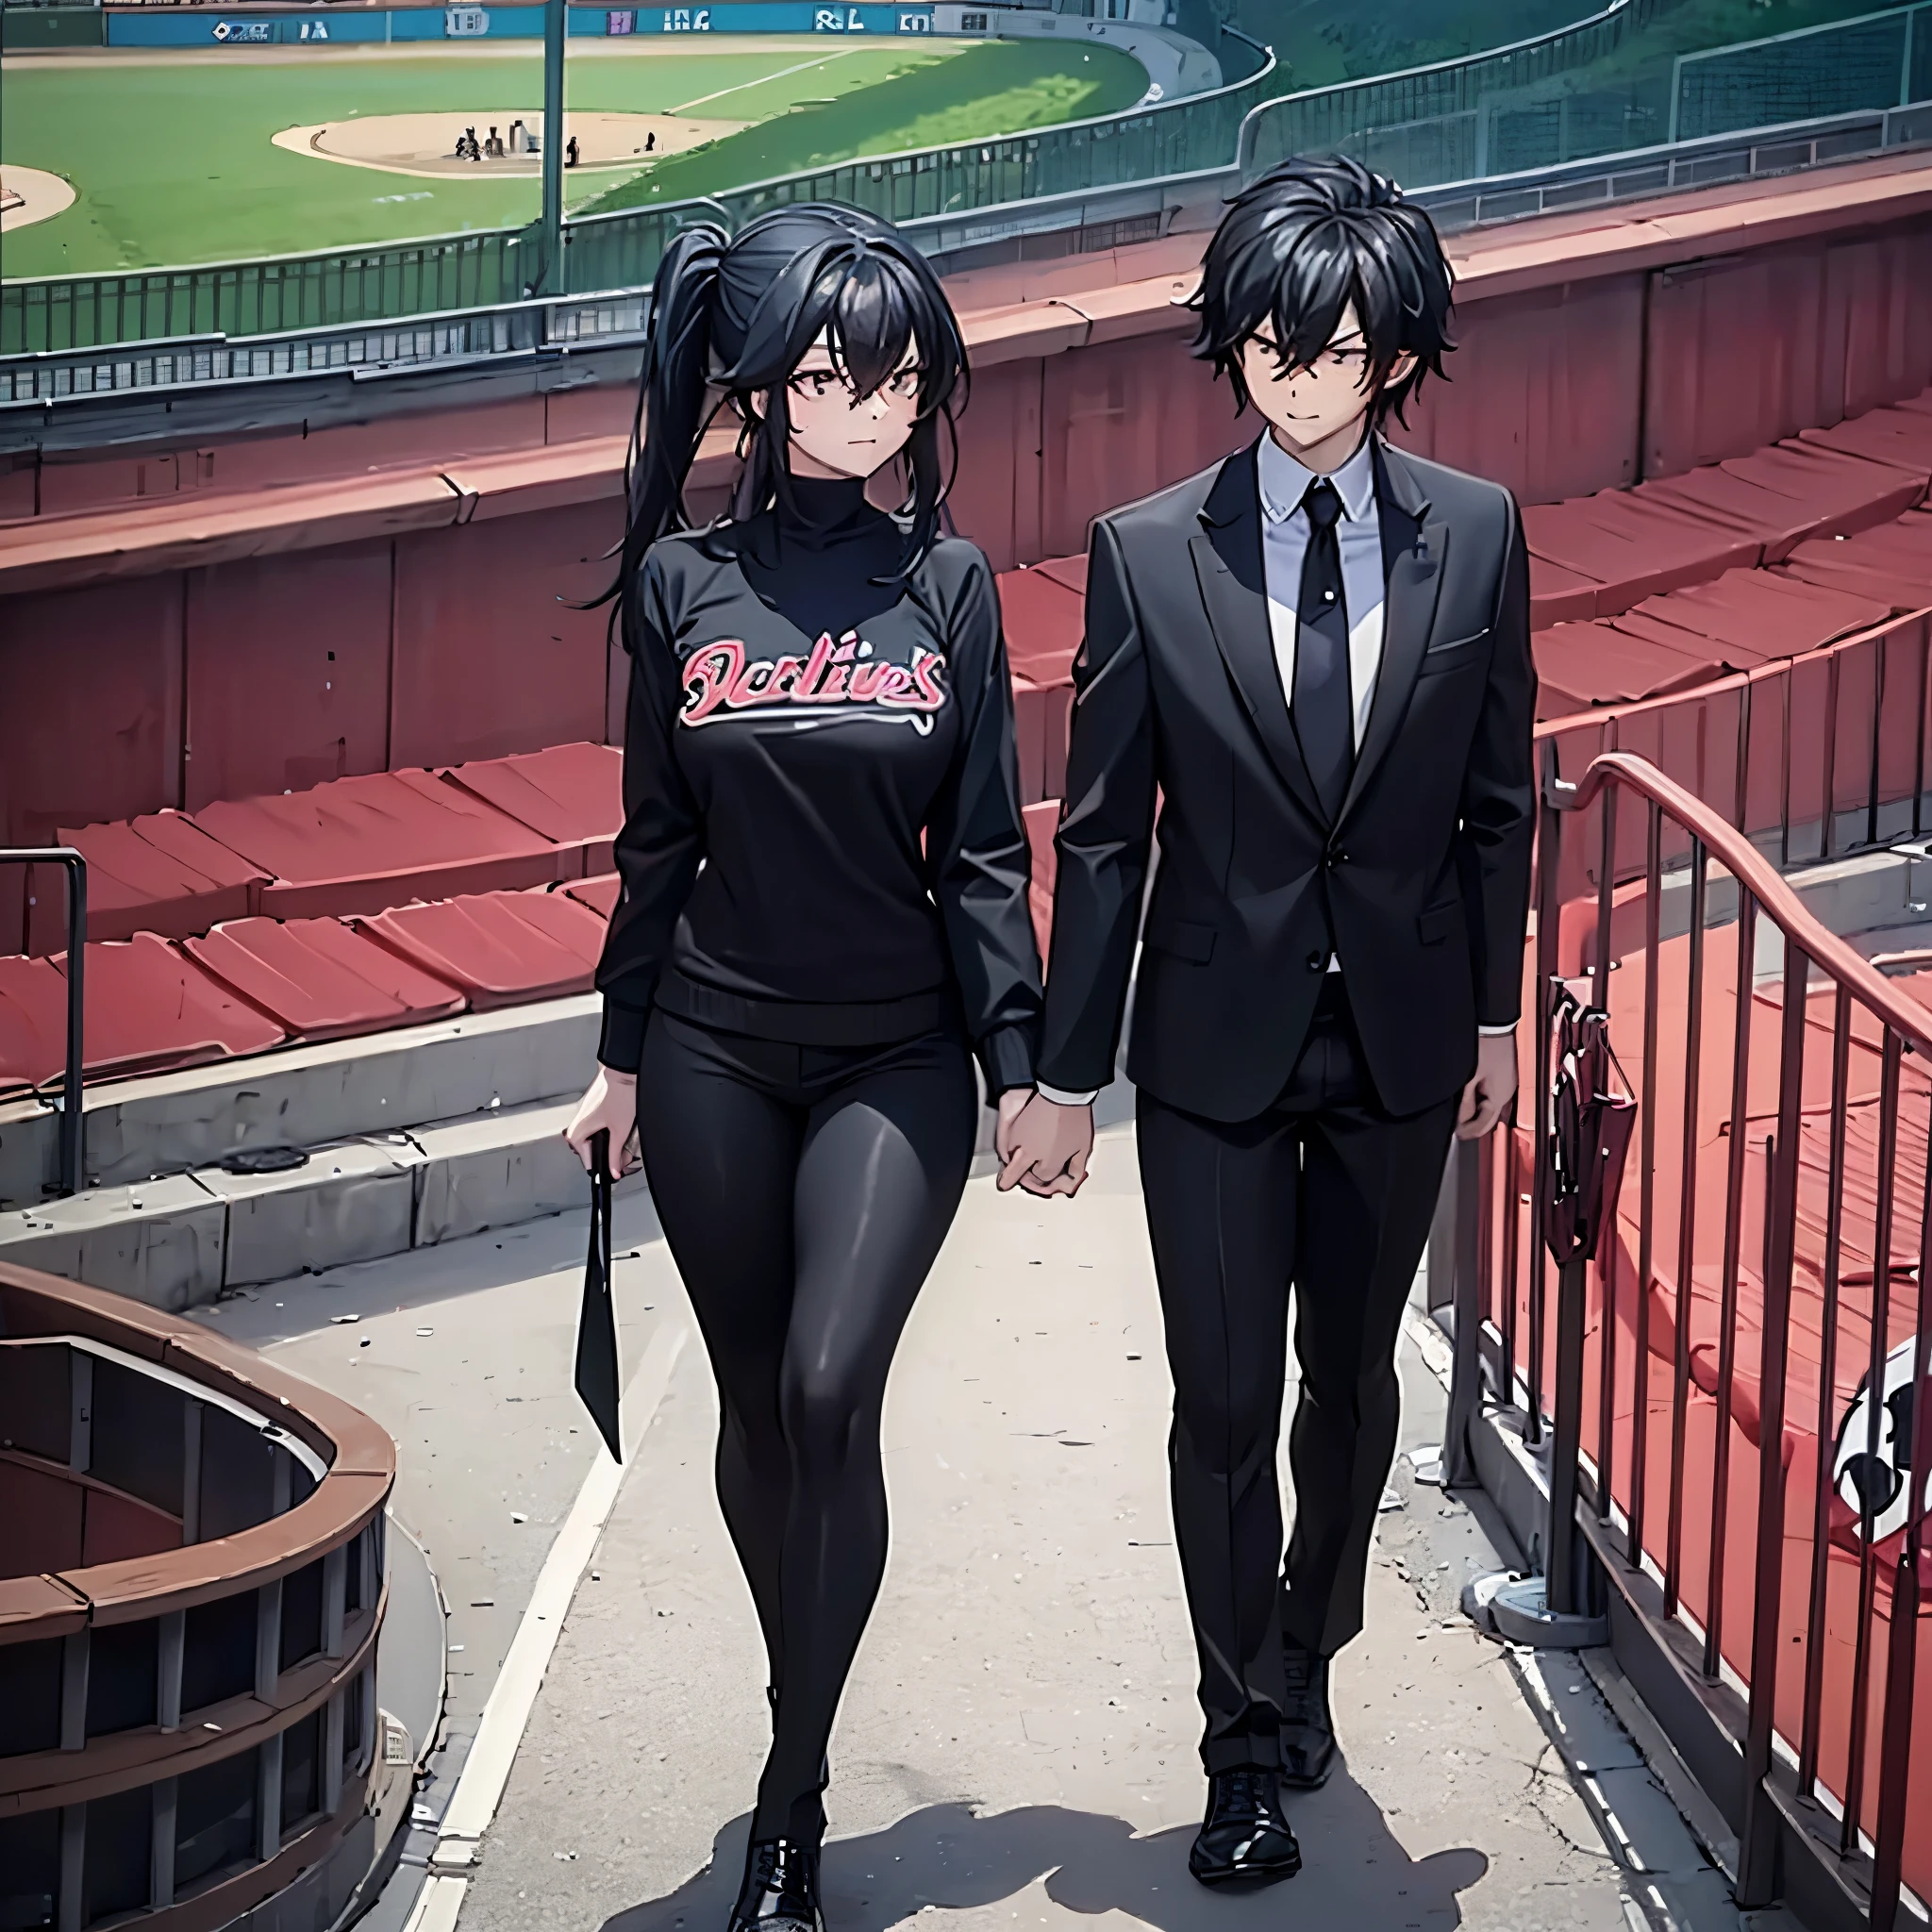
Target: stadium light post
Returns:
[554, 24]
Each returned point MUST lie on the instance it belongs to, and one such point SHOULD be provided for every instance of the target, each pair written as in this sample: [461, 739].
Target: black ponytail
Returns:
[674, 405]
[734, 317]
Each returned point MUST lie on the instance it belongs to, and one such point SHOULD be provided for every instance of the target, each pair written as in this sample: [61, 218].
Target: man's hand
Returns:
[1047, 1146]
[1493, 1089]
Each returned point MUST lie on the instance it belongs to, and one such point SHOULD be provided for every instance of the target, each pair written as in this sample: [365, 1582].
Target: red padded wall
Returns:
[90, 723]
[1543, 392]
[1122, 420]
[287, 671]
[1743, 352]
[995, 496]
[1885, 286]
[488, 660]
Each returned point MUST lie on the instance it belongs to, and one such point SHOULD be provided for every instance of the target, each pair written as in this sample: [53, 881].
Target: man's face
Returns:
[836, 433]
[1323, 402]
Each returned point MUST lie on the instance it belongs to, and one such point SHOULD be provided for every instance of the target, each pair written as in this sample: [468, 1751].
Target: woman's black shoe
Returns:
[1245, 1836]
[1308, 1725]
[781, 1892]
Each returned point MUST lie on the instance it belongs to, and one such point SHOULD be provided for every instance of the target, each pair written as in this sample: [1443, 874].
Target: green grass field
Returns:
[174, 163]
[1003, 87]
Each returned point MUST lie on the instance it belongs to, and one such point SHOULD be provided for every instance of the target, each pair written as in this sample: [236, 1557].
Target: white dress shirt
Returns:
[1283, 483]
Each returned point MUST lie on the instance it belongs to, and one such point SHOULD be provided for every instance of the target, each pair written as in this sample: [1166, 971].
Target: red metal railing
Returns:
[1764, 1523]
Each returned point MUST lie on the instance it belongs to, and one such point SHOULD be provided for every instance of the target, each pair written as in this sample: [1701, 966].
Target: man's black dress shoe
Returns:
[781, 1892]
[1245, 1837]
[1308, 1725]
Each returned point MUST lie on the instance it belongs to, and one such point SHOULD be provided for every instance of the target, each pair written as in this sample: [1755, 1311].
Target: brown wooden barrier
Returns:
[191, 1721]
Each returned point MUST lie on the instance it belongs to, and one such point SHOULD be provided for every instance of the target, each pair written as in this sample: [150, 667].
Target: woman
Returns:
[824, 911]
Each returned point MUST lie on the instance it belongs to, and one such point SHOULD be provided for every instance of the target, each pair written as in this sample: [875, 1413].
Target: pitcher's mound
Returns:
[30, 194]
[427, 143]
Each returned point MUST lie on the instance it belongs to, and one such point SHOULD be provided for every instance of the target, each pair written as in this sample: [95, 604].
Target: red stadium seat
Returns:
[501, 948]
[319, 978]
[362, 844]
[1892, 565]
[599, 894]
[148, 1008]
[1901, 438]
[1632, 548]
[1748, 617]
[1598, 664]
[159, 873]
[571, 794]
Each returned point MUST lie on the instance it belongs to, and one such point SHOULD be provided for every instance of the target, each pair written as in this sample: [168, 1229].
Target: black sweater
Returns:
[822, 840]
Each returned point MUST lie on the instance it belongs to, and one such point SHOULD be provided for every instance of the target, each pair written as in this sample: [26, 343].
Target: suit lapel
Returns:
[1413, 548]
[1233, 585]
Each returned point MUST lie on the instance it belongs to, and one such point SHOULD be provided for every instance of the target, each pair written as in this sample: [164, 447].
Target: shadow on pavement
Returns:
[949, 1856]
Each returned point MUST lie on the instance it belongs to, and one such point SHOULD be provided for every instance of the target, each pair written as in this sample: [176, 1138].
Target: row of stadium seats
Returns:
[152, 1004]
[381, 900]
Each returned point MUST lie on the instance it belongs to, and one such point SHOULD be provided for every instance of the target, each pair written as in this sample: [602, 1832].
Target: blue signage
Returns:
[465, 19]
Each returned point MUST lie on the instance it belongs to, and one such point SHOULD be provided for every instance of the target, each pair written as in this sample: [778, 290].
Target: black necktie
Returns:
[1323, 710]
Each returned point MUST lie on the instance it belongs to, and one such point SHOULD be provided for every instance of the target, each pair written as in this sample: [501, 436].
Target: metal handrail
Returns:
[72, 1117]
[1770, 1802]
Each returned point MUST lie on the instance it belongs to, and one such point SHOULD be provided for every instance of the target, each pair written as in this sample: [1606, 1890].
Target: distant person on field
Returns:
[650, 142]
[570, 152]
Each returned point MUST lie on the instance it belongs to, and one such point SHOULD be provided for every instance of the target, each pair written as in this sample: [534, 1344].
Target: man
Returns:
[1316, 656]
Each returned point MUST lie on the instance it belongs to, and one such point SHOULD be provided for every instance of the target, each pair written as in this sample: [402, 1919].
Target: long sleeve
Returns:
[1105, 835]
[1499, 797]
[661, 846]
[981, 864]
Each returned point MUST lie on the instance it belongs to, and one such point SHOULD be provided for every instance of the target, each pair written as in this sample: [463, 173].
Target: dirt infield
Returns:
[424, 145]
[29, 195]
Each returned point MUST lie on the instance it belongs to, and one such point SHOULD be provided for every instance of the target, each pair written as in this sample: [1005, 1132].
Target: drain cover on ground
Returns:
[279, 1159]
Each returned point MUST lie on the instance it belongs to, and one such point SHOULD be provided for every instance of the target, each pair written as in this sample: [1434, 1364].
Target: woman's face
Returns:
[834, 432]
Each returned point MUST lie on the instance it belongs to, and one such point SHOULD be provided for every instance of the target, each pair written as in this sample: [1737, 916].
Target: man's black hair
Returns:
[1303, 243]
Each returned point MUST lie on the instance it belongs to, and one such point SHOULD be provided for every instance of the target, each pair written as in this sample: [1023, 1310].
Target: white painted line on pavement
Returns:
[506, 1715]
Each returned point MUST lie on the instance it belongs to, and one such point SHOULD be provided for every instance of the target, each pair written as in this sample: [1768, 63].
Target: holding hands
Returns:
[1042, 1146]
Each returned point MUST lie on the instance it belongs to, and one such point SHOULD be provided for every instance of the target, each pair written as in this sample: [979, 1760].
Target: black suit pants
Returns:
[1327, 1193]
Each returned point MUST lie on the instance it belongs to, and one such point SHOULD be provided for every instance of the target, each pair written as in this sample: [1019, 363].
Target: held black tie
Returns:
[1321, 705]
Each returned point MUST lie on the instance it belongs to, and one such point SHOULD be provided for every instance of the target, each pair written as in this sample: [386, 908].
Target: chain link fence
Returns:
[1595, 90]
[1876, 61]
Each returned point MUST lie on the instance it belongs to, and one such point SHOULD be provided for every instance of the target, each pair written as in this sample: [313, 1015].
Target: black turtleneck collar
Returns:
[828, 562]
[824, 509]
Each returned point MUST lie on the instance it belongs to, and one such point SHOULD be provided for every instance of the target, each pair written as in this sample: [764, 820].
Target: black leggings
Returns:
[805, 1193]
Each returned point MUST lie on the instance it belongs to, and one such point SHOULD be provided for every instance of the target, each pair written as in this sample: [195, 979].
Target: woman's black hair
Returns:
[1304, 242]
[732, 315]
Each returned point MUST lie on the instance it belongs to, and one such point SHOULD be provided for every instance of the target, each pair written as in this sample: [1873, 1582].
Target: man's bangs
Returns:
[1309, 302]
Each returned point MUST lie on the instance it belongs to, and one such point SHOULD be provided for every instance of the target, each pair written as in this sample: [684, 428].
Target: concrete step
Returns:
[188, 1238]
[180, 1239]
[306, 1096]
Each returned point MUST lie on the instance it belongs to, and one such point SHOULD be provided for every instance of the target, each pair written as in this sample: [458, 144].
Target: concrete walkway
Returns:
[1017, 1745]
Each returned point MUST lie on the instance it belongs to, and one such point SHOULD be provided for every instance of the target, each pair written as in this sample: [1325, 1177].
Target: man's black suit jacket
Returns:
[1422, 885]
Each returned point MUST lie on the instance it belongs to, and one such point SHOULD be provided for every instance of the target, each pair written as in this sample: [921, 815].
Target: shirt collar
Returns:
[1284, 482]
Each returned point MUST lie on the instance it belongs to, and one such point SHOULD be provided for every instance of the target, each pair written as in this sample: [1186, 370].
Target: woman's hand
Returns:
[610, 1106]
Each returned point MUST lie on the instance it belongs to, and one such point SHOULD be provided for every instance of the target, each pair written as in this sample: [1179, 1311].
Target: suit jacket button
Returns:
[1318, 962]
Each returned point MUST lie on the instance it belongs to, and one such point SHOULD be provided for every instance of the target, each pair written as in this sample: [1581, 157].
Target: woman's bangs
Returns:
[871, 328]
